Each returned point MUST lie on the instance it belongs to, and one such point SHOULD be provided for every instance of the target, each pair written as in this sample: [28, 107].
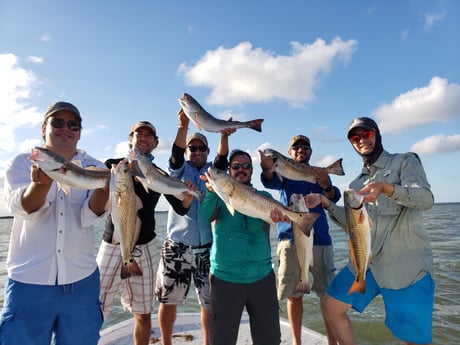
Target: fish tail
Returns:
[359, 285]
[336, 168]
[256, 125]
[130, 268]
[302, 287]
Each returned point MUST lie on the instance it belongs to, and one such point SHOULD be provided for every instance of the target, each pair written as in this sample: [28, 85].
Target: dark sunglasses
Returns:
[60, 123]
[193, 148]
[236, 166]
[298, 147]
[366, 134]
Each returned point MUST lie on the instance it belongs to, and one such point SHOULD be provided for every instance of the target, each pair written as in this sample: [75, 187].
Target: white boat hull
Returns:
[187, 330]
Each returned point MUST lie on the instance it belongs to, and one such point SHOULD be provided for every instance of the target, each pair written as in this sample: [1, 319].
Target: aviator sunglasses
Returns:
[366, 134]
[236, 166]
[60, 123]
[193, 148]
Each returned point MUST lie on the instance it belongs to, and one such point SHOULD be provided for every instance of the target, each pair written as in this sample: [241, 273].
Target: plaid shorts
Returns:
[137, 292]
[179, 264]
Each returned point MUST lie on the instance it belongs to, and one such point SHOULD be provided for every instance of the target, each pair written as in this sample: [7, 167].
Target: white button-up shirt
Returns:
[54, 244]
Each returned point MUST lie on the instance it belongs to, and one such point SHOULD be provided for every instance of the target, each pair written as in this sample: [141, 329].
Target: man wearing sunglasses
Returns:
[396, 191]
[289, 272]
[53, 278]
[137, 294]
[185, 251]
[241, 266]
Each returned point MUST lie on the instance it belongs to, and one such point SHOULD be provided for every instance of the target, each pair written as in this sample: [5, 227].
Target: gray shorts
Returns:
[289, 271]
[179, 264]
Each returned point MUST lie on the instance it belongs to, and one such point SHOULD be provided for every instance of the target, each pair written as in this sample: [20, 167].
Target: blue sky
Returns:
[306, 67]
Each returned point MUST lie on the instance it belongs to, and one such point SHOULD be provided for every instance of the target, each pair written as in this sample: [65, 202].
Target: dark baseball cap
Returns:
[362, 122]
[58, 106]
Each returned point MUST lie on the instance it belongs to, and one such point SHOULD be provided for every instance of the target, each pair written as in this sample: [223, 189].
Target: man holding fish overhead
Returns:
[290, 176]
[185, 251]
[397, 263]
[53, 279]
[132, 270]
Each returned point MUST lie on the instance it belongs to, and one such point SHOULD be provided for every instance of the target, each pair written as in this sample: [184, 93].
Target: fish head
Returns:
[352, 199]
[120, 176]
[297, 203]
[46, 159]
[188, 103]
[220, 180]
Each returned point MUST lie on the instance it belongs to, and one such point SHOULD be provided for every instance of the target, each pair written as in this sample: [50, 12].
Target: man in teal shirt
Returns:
[241, 267]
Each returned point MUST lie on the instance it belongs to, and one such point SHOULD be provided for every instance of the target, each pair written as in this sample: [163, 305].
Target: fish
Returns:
[157, 180]
[303, 245]
[245, 199]
[205, 121]
[68, 174]
[293, 170]
[359, 227]
[124, 206]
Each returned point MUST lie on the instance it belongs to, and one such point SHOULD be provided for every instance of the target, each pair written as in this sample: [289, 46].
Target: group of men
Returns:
[53, 279]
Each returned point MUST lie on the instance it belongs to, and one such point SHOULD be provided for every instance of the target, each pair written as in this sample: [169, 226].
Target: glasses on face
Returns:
[56, 122]
[236, 166]
[366, 134]
[193, 148]
[298, 147]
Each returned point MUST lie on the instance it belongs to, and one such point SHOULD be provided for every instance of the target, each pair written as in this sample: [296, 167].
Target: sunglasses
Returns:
[61, 123]
[236, 166]
[193, 148]
[366, 134]
[298, 147]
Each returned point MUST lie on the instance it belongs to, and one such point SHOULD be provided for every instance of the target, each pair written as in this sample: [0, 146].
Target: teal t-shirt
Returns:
[240, 251]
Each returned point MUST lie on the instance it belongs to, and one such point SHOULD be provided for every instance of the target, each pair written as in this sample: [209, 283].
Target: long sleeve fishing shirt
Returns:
[188, 229]
[286, 188]
[400, 249]
[55, 244]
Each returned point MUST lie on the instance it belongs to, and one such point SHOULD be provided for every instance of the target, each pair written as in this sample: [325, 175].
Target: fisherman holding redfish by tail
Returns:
[300, 178]
[127, 258]
[395, 191]
[53, 278]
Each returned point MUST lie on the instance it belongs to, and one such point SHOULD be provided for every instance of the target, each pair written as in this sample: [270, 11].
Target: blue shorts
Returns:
[409, 311]
[34, 314]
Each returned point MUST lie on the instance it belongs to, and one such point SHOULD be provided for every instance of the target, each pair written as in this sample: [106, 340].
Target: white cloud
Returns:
[35, 59]
[430, 19]
[437, 102]
[439, 143]
[16, 85]
[247, 74]
[45, 38]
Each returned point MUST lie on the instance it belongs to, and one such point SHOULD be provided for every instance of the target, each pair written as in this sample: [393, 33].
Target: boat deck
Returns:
[187, 330]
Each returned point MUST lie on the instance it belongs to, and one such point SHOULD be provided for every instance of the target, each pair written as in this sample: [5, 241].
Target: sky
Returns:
[305, 67]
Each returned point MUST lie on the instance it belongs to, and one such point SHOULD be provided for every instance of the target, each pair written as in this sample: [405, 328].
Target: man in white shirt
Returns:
[52, 288]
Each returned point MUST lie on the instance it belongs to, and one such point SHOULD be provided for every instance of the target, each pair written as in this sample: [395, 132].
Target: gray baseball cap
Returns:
[58, 106]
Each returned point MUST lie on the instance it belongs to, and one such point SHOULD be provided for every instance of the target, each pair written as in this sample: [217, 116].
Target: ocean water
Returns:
[443, 225]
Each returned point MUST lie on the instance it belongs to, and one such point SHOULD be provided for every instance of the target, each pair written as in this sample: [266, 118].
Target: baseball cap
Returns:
[299, 137]
[362, 122]
[140, 124]
[198, 136]
[58, 106]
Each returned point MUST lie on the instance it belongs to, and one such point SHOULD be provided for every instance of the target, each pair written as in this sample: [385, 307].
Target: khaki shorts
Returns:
[289, 270]
[137, 292]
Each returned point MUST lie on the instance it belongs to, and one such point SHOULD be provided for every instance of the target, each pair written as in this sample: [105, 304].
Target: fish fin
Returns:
[358, 286]
[199, 194]
[195, 121]
[64, 187]
[257, 124]
[336, 168]
[144, 183]
[230, 208]
[279, 176]
[307, 219]
[130, 268]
